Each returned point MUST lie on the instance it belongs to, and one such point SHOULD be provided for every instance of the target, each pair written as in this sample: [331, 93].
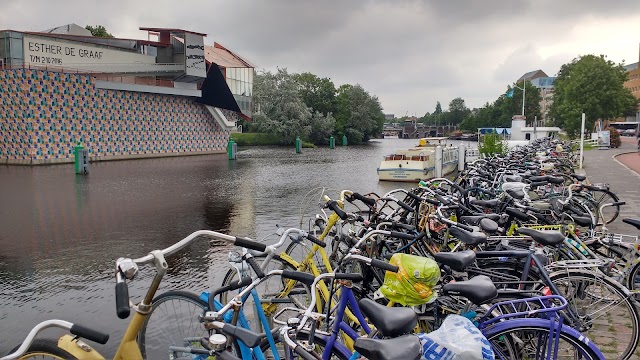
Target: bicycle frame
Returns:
[239, 317]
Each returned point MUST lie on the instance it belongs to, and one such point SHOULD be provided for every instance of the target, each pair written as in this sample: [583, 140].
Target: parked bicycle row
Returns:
[511, 260]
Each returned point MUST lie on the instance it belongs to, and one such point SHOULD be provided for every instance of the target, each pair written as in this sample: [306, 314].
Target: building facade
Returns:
[120, 98]
[544, 83]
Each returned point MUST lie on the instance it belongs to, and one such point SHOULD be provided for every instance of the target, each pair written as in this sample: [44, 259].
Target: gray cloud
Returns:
[410, 53]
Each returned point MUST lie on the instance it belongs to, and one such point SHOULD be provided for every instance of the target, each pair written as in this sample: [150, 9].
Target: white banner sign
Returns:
[39, 51]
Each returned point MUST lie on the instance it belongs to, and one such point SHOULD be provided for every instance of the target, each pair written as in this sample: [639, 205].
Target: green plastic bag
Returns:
[413, 284]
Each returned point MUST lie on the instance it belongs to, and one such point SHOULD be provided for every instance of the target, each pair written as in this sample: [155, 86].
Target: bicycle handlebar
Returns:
[74, 329]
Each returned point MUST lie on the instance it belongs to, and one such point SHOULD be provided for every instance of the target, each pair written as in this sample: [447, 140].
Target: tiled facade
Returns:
[44, 114]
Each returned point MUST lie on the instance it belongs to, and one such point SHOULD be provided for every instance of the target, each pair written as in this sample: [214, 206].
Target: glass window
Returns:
[251, 76]
[16, 48]
[2, 53]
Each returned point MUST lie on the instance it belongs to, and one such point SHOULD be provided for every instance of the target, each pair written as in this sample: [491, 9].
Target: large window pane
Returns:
[16, 48]
[251, 76]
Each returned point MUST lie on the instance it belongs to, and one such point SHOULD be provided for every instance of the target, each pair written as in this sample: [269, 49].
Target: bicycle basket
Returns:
[413, 284]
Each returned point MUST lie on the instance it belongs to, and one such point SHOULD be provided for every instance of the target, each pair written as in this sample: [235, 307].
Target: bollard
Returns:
[332, 142]
[438, 161]
[344, 140]
[461, 157]
[298, 145]
[232, 149]
[81, 159]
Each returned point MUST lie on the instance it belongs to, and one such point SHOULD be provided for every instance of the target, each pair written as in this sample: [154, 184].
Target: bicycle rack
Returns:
[578, 264]
[531, 307]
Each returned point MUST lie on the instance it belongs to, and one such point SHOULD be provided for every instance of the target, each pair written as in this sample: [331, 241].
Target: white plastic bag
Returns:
[456, 339]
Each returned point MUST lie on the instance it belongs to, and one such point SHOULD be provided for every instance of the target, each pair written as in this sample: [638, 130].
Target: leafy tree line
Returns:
[496, 114]
[305, 105]
[589, 84]
[593, 85]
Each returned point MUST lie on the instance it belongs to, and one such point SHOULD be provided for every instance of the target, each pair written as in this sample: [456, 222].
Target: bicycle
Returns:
[72, 347]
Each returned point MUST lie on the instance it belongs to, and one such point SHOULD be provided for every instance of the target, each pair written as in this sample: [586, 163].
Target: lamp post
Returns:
[524, 93]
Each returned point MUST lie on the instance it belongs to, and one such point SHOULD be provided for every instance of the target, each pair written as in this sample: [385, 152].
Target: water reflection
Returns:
[60, 233]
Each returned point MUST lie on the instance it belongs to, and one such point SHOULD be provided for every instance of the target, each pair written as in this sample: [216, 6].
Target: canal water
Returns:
[60, 233]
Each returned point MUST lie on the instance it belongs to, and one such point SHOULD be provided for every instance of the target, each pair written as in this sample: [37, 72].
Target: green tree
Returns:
[512, 105]
[438, 109]
[359, 114]
[492, 144]
[317, 93]
[279, 108]
[322, 127]
[98, 31]
[458, 111]
[593, 85]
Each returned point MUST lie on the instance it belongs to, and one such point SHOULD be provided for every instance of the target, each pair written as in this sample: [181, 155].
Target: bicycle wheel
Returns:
[529, 339]
[44, 349]
[606, 311]
[633, 280]
[275, 294]
[604, 196]
[173, 320]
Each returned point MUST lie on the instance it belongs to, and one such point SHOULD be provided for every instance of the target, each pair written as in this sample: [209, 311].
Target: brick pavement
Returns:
[606, 166]
[602, 166]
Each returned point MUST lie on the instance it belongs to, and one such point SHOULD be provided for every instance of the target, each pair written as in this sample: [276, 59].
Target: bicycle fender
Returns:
[596, 274]
[78, 348]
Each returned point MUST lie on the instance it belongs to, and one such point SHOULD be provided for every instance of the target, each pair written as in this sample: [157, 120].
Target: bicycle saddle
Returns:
[404, 347]
[539, 178]
[633, 222]
[544, 237]
[468, 237]
[486, 203]
[579, 177]
[582, 220]
[555, 179]
[488, 225]
[478, 290]
[390, 321]
[455, 260]
[475, 219]
[512, 178]
[516, 214]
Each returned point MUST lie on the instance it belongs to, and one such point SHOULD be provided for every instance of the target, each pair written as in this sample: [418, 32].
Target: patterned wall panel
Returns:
[16, 126]
[43, 114]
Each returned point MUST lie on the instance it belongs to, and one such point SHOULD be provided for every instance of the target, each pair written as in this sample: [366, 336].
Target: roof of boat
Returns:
[440, 138]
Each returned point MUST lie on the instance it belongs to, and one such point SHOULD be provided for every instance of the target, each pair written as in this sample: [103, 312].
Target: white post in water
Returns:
[462, 157]
[438, 161]
[581, 141]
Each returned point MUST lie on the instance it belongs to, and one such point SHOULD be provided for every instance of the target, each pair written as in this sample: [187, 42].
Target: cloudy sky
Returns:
[408, 53]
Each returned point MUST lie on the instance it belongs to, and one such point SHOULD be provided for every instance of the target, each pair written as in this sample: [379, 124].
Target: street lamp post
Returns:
[524, 94]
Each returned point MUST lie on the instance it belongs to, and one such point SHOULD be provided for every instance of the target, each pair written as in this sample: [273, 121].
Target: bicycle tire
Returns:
[629, 313]
[540, 330]
[159, 332]
[45, 349]
[633, 280]
[607, 197]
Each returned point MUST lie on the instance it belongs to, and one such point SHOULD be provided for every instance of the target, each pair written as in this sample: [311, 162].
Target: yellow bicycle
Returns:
[70, 346]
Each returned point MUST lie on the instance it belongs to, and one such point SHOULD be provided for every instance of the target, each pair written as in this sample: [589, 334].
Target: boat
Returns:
[418, 163]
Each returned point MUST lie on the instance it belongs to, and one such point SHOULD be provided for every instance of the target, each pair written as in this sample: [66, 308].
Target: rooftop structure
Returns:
[532, 75]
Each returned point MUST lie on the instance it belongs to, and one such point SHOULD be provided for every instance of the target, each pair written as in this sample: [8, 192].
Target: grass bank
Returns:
[261, 139]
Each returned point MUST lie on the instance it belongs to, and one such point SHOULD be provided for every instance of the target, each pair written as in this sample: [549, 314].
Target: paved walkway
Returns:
[602, 166]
